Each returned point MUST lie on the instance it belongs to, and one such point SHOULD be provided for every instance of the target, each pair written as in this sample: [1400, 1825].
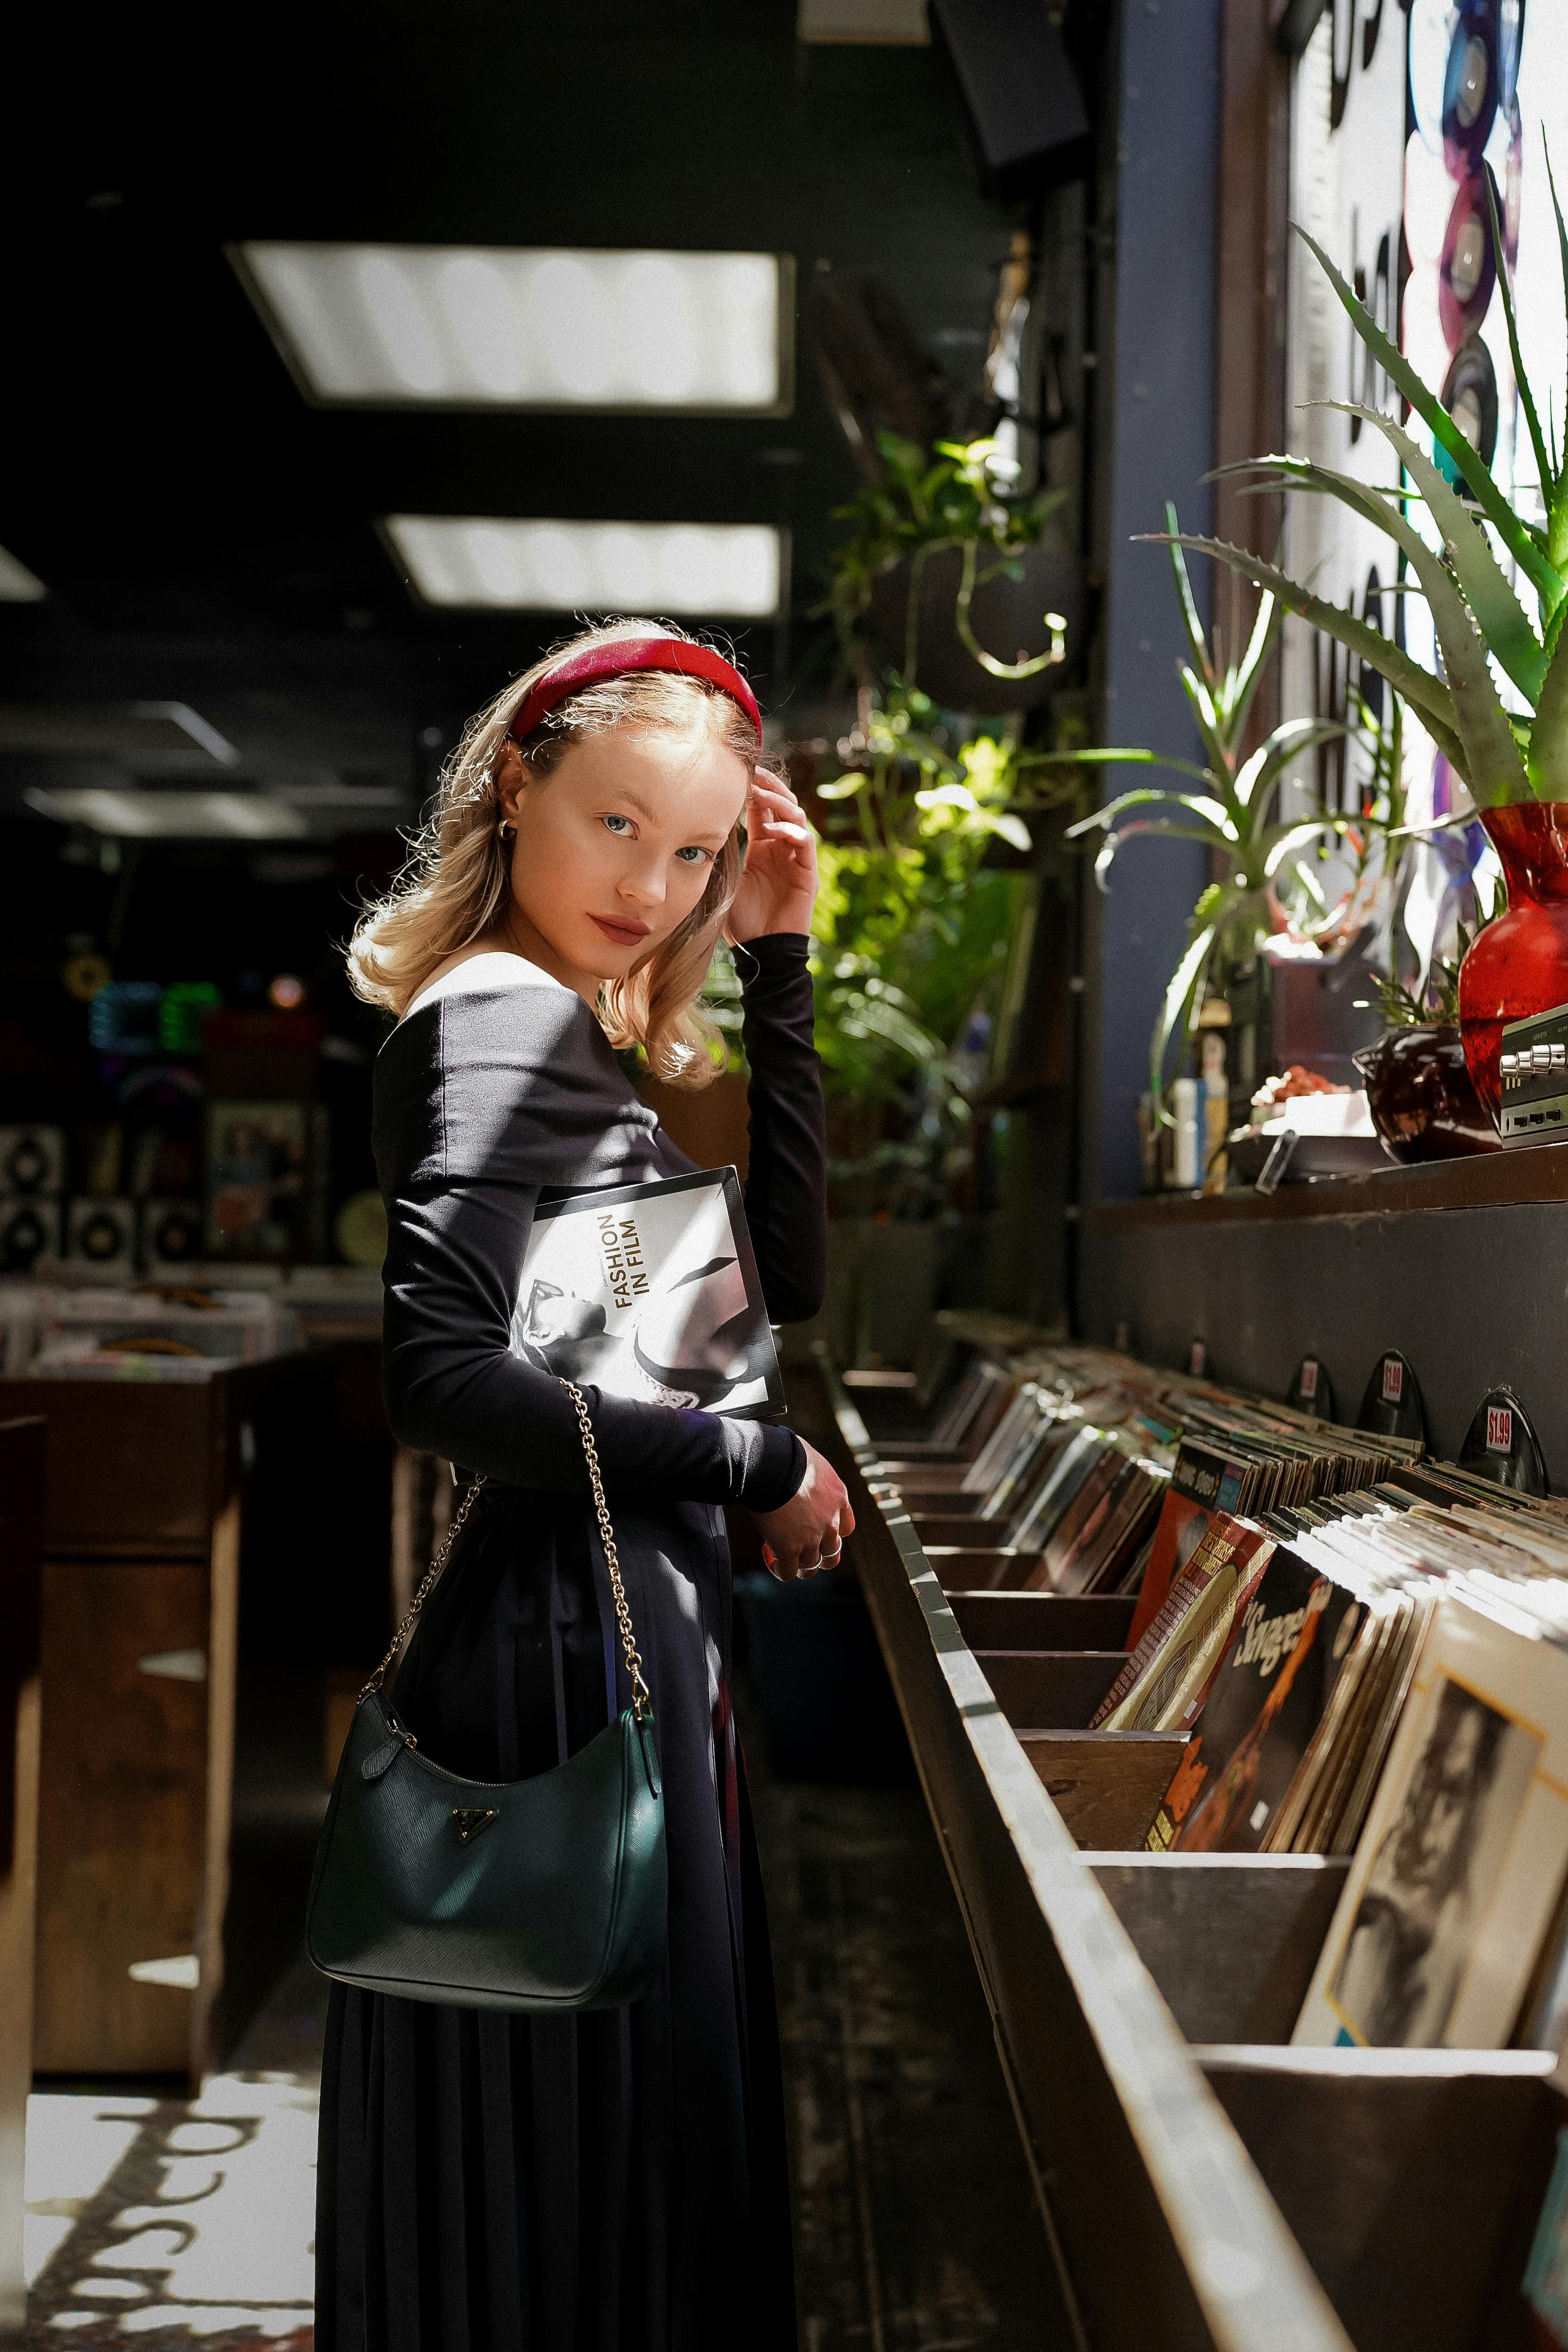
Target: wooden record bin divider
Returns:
[1203, 2183]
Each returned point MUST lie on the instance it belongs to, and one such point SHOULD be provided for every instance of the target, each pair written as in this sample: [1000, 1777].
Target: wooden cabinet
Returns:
[126, 1668]
[21, 1513]
[174, 1516]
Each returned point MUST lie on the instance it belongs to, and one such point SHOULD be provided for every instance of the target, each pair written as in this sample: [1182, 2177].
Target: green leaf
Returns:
[1191, 621]
[1427, 694]
[1527, 398]
[1456, 630]
[843, 788]
[1138, 757]
[1549, 736]
[1501, 617]
[1287, 742]
[1489, 757]
[1013, 829]
[1509, 529]
[1279, 844]
[1195, 803]
[1176, 1008]
[1267, 631]
[1554, 489]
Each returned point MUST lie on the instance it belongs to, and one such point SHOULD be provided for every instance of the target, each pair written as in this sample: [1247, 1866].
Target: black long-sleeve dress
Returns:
[615, 2180]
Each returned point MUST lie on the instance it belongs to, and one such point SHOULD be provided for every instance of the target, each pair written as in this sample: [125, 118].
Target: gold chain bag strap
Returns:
[642, 1706]
[537, 1895]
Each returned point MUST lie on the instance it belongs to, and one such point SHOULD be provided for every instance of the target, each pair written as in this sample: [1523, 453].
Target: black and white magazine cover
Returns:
[650, 1291]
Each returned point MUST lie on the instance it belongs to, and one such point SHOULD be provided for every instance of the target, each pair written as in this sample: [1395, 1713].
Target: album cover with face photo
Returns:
[1457, 1875]
[651, 1292]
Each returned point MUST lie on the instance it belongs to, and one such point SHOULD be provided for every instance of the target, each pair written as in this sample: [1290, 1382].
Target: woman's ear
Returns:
[510, 781]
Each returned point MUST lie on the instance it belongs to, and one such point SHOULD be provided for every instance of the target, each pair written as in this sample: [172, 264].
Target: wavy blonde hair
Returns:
[457, 879]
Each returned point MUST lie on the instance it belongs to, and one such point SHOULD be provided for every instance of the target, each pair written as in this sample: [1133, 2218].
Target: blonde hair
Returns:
[457, 879]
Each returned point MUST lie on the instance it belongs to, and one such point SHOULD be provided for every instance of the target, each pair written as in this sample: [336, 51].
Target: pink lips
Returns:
[621, 935]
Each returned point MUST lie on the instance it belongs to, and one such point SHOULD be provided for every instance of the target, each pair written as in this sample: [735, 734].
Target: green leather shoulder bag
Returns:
[546, 1894]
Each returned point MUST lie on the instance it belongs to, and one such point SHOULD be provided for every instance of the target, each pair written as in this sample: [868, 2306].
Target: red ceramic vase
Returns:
[1519, 965]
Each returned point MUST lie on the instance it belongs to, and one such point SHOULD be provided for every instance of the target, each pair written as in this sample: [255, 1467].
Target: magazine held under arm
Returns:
[651, 1292]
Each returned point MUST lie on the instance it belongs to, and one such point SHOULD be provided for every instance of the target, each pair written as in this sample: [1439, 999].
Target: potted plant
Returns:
[942, 562]
[1513, 758]
[1271, 865]
[1418, 1088]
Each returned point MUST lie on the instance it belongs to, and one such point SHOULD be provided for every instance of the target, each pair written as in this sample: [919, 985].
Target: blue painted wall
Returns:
[1162, 434]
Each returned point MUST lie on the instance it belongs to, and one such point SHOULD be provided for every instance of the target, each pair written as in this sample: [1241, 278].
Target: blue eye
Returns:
[618, 823]
[691, 853]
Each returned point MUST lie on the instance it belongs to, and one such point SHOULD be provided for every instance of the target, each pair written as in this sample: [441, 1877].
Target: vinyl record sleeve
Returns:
[1274, 1683]
[1456, 1876]
[651, 1292]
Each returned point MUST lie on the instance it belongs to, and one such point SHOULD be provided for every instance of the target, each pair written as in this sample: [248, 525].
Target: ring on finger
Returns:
[810, 1567]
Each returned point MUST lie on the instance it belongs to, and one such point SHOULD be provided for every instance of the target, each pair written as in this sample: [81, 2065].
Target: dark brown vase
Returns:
[1419, 1093]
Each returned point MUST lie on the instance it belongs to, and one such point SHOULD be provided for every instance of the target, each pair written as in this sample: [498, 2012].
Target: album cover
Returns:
[1206, 1482]
[1268, 1696]
[651, 1292]
[1161, 1686]
[1457, 1873]
[266, 1173]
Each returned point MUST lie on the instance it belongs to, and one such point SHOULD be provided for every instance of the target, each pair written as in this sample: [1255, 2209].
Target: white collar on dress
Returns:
[496, 967]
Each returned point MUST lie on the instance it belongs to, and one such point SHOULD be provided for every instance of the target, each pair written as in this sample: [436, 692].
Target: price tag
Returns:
[1501, 1444]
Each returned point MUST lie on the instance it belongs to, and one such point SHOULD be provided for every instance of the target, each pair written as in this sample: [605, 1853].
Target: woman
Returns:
[493, 2182]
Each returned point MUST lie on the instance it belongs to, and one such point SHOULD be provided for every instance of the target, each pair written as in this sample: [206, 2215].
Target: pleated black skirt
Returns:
[613, 2182]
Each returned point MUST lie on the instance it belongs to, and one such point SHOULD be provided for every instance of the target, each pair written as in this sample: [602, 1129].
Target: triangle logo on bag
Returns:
[468, 1820]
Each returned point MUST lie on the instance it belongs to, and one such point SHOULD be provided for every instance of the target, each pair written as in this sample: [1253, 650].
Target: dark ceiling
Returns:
[208, 537]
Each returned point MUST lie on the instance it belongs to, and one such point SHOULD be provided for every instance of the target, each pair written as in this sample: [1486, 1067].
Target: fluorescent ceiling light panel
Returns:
[734, 570]
[17, 584]
[171, 816]
[393, 325]
[172, 733]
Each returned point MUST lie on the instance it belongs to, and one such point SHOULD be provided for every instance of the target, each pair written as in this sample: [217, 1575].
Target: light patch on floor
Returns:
[155, 2220]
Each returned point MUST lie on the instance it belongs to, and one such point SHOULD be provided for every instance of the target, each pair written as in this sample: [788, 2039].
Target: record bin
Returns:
[1203, 2182]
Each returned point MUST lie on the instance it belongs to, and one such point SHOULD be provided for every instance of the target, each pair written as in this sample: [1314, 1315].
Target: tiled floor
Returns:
[156, 2221]
[163, 2223]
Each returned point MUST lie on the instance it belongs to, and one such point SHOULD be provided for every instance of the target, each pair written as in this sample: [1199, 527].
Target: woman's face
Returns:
[615, 848]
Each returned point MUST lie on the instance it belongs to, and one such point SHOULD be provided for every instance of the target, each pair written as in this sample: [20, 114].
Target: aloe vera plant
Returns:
[1231, 805]
[1504, 756]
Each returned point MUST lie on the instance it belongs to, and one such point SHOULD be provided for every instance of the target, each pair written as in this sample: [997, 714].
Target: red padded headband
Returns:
[613, 659]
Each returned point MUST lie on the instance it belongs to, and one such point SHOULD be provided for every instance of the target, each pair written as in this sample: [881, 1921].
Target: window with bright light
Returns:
[732, 571]
[528, 327]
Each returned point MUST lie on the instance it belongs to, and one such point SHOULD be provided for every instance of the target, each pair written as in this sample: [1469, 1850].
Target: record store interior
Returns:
[1122, 447]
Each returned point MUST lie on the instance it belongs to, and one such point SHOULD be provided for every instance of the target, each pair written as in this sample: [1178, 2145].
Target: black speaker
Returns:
[1025, 112]
[29, 1230]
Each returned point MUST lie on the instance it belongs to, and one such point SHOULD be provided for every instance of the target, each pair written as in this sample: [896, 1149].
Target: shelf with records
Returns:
[1307, 1724]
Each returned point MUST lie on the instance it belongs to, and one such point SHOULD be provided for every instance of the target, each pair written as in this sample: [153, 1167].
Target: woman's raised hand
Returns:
[778, 887]
[807, 1532]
